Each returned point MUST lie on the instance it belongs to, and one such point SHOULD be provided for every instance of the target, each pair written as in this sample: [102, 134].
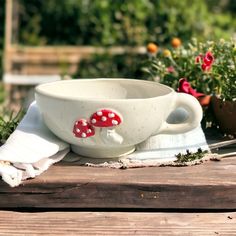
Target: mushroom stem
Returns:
[109, 136]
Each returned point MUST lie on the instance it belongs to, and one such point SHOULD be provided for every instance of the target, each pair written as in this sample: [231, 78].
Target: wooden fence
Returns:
[54, 60]
[43, 61]
[46, 60]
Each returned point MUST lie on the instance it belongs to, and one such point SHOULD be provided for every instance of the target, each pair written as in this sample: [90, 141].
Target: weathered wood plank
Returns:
[60, 49]
[29, 79]
[117, 223]
[208, 186]
[56, 59]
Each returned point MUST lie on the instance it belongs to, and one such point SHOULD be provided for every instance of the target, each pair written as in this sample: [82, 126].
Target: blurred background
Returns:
[97, 38]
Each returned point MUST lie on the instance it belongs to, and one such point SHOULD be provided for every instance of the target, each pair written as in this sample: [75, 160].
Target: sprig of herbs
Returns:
[188, 157]
[8, 124]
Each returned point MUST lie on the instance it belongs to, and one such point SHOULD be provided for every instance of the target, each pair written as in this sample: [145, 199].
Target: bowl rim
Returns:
[39, 89]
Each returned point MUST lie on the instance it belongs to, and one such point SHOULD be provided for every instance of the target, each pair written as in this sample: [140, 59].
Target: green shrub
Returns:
[133, 22]
[83, 22]
[105, 65]
[209, 67]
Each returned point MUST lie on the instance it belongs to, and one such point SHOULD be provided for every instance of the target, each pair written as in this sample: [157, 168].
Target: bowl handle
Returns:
[194, 110]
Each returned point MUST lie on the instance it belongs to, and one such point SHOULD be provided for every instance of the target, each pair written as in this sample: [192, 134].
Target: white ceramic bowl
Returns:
[108, 117]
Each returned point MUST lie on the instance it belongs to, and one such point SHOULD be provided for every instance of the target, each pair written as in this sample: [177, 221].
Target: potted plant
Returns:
[204, 70]
[224, 103]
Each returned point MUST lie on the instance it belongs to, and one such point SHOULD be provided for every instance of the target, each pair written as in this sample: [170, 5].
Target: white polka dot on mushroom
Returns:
[99, 113]
[77, 130]
[111, 115]
[93, 121]
[83, 135]
[103, 118]
[89, 131]
[114, 122]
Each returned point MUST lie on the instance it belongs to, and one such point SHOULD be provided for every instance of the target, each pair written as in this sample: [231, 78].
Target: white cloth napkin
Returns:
[32, 148]
[164, 147]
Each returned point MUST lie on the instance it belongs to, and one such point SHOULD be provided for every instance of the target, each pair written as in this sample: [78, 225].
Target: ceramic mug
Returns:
[106, 118]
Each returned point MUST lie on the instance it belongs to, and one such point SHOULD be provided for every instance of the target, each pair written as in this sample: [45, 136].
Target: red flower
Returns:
[198, 59]
[185, 87]
[208, 60]
[206, 67]
[170, 69]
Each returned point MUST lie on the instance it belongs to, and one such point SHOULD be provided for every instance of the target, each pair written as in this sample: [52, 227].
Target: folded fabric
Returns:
[164, 146]
[32, 148]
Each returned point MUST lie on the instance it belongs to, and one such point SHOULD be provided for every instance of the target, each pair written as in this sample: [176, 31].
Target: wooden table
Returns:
[76, 200]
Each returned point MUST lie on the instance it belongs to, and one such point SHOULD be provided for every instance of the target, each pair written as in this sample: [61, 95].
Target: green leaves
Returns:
[189, 156]
[106, 65]
[8, 124]
[107, 22]
[219, 79]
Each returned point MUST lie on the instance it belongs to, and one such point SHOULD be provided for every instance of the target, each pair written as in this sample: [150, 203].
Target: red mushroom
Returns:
[82, 129]
[106, 118]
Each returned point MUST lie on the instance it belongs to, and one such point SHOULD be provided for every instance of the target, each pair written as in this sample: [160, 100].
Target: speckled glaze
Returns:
[144, 107]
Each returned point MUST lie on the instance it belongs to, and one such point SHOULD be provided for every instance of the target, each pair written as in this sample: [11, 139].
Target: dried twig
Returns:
[230, 154]
[222, 144]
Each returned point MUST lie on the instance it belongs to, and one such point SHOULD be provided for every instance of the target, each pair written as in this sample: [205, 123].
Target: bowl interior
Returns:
[103, 89]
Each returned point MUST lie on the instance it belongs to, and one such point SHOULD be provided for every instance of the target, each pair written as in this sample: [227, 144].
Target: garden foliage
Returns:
[135, 22]
[209, 67]
[123, 22]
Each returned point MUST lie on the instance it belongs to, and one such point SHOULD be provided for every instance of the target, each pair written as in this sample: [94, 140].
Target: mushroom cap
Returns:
[82, 129]
[105, 118]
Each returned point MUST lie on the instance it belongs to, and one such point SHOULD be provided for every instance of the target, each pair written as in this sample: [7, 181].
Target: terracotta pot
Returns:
[225, 113]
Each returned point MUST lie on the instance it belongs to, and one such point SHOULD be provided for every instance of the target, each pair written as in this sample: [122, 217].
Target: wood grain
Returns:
[117, 223]
[208, 186]
[55, 59]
